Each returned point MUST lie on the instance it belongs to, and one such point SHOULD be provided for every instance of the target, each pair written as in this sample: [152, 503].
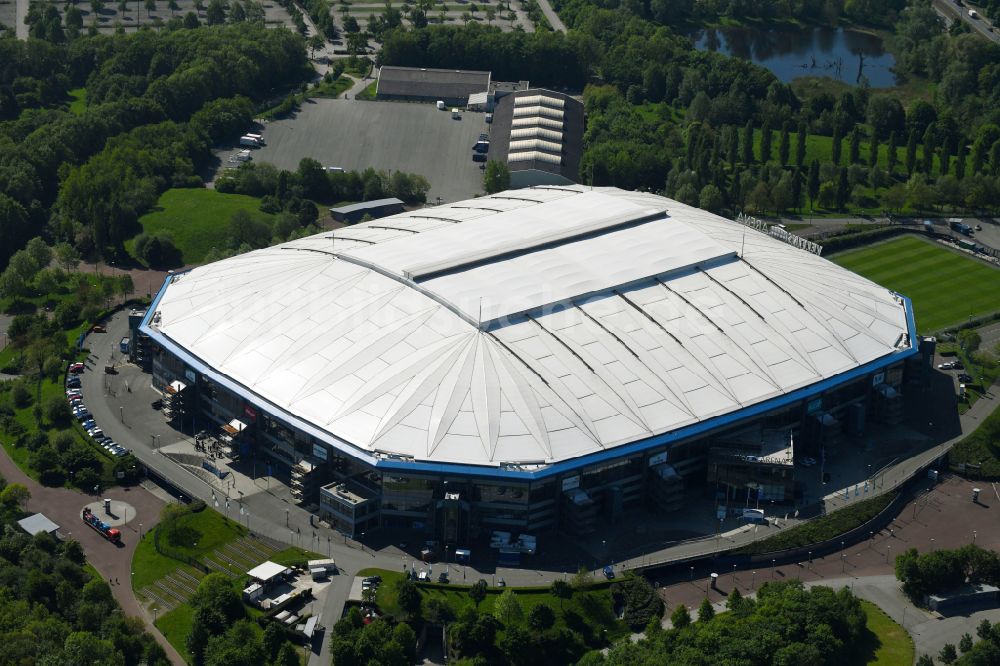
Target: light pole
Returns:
[973, 537]
[887, 549]
[692, 574]
[753, 579]
[286, 517]
[774, 569]
[734, 576]
[121, 414]
[140, 531]
[843, 563]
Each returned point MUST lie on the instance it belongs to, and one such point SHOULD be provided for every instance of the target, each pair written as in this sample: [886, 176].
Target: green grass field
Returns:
[946, 287]
[197, 219]
[889, 642]
[593, 604]
[212, 531]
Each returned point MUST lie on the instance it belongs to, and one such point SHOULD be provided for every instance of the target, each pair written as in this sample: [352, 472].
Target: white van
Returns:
[242, 156]
[249, 141]
[440, 105]
[456, 114]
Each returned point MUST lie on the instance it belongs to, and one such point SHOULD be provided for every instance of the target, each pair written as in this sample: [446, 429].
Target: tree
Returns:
[216, 13]
[812, 182]
[541, 617]
[15, 495]
[965, 643]
[710, 198]
[784, 148]
[854, 146]
[890, 153]
[925, 660]
[948, 655]
[800, 144]
[843, 188]
[705, 611]
[172, 6]
[746, 144]
[960, 161]
[478, 591]
[56, 411]
[969, 340]
[929, 148]
[66, 256]
[150, 7]
[836, 146]
[680, 618]
[237, 13]
[496, 177]
[404, 636]
[984, 628]
[911, 153]
[408, 598]
[561, 590]
[765, 143]
[873, 151]
[508, 609]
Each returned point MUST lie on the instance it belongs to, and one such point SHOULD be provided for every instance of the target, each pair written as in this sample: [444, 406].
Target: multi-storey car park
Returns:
[538, 358]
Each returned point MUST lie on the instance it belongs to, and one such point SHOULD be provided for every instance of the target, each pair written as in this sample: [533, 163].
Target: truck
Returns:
[440, 105]
[960, 227]
[259, 138]
[973, 14]
[101, 527]
[250, 141]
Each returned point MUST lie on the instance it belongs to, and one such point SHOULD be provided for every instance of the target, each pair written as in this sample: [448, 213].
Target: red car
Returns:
[76, 368]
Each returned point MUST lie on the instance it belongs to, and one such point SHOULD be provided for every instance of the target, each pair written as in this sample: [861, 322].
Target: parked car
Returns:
[76, 368]
[97, 328]
[946, 366]
[609, 572]
[957, 365]
[478, 157]
[501, 582]
[964, 377]
[73, 382]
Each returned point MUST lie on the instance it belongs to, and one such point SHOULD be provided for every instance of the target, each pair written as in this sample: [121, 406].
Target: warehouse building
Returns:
[539, 134]
[535, 359]
[417, 84]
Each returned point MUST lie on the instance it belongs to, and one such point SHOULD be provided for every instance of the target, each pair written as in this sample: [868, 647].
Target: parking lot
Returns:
[389, 136]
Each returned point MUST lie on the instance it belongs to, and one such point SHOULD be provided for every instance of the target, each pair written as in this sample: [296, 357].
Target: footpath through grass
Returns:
[197, 219]
[821, 529]
[946, 287]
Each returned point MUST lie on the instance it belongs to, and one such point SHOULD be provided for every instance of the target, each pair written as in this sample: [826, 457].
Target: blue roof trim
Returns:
[557, 468]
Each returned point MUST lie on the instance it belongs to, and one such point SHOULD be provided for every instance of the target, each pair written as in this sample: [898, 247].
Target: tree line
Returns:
[53, 609]
[164, 97]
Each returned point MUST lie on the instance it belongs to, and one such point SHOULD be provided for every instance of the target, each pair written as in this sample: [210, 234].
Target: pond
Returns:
[838, 53]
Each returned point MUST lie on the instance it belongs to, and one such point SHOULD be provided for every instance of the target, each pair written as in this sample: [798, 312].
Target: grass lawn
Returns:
[78, 100]
[197, 219]
[946, 287]
[887, 643]
[594, 605]
[295, 556]
[175, 627]
[209, 528]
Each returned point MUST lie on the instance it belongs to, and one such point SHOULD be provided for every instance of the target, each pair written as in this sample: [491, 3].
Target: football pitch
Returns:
[946, 287]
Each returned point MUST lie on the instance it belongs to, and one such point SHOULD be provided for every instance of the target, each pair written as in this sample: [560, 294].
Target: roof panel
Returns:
[372, 346]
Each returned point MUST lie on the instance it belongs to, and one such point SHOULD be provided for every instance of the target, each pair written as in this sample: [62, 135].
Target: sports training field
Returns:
[946, 287]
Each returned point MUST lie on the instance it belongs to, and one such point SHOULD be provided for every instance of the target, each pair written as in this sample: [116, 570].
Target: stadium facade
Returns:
[539, 358]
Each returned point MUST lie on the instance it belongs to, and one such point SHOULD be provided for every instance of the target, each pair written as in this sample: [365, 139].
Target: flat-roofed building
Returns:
[422, 84]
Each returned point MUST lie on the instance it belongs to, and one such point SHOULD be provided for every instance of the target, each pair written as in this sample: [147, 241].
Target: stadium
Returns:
[538, 358]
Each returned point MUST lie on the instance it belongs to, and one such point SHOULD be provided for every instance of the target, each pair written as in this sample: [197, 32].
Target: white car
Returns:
[946, 366]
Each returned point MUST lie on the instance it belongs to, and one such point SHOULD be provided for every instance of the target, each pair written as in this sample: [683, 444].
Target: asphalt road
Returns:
[389, 136]
[978, 26]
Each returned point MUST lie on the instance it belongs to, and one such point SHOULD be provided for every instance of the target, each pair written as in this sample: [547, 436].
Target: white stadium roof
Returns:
[528, 327]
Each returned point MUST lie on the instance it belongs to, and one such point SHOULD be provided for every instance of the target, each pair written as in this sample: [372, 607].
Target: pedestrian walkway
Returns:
[943, 518]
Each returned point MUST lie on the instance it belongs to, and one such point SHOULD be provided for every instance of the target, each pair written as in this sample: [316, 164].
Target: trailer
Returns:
[101, 527]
